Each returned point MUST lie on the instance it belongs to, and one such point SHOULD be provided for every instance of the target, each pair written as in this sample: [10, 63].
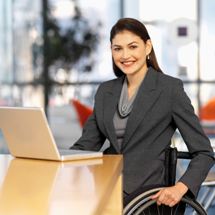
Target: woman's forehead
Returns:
[125, 37]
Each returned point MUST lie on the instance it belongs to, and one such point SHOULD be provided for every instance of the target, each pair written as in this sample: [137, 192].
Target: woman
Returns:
[139, 112]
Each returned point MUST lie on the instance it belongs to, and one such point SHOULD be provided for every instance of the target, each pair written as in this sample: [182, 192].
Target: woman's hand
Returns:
[170, 195]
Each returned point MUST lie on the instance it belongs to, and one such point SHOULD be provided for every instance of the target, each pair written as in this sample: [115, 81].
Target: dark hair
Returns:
[140, 30]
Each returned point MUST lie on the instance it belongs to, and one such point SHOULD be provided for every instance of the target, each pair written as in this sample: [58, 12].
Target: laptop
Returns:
[28, 135]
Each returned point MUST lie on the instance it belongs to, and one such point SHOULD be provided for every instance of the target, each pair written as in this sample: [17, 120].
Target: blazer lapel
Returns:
[110, 105]
[147, 95]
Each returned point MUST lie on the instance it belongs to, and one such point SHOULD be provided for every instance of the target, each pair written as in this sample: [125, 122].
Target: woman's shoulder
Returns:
[166, 79]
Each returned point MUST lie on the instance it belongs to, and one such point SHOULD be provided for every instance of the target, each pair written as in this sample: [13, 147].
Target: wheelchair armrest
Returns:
[184, 155]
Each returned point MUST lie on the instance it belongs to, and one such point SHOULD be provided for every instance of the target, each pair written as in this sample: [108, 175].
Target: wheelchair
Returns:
[140, 202]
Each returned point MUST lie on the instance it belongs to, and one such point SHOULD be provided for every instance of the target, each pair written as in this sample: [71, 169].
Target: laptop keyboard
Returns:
[71, 152]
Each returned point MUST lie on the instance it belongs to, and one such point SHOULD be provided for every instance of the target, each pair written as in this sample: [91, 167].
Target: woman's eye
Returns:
[117, 49]
[133, 47]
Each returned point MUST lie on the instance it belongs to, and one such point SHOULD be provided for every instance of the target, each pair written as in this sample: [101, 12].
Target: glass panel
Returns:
[207, 111]
[131, 8]
[62, 95]
[207, 59]
[31, 96]
[27, 40]
[168, 10]
[64, 119]
[64, 124]
[85, 60]
[178, 61]
[107, 12]
[173, 34]
[21, 96]
[5, 41]
[6, 95]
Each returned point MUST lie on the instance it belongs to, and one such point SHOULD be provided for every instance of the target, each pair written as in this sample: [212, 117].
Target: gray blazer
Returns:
[160, 107]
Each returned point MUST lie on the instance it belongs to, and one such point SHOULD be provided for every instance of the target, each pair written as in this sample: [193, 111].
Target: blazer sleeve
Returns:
[193, 135]
[92, 138]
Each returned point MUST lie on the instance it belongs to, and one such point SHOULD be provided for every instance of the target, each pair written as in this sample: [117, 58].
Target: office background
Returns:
[58, 50]
[52, 52]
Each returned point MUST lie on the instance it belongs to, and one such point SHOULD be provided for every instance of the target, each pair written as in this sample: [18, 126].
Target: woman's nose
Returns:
[125, 54]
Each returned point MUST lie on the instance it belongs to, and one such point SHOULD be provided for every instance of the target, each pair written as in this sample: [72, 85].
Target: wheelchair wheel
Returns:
[142, 204]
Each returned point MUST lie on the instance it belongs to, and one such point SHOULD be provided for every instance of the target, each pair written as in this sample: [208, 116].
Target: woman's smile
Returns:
[128, 63]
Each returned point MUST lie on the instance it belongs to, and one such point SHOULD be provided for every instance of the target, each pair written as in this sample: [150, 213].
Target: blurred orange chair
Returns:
[207, 117]
[207, 112]
[83, 111]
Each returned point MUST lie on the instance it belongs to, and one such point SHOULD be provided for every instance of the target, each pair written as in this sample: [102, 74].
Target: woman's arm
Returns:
[194, 137]
[198, 145]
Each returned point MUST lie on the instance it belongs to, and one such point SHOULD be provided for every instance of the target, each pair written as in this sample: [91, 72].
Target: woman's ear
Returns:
[148, 47]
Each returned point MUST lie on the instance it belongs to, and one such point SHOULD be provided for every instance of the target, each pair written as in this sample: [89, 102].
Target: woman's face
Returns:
[129, 52]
